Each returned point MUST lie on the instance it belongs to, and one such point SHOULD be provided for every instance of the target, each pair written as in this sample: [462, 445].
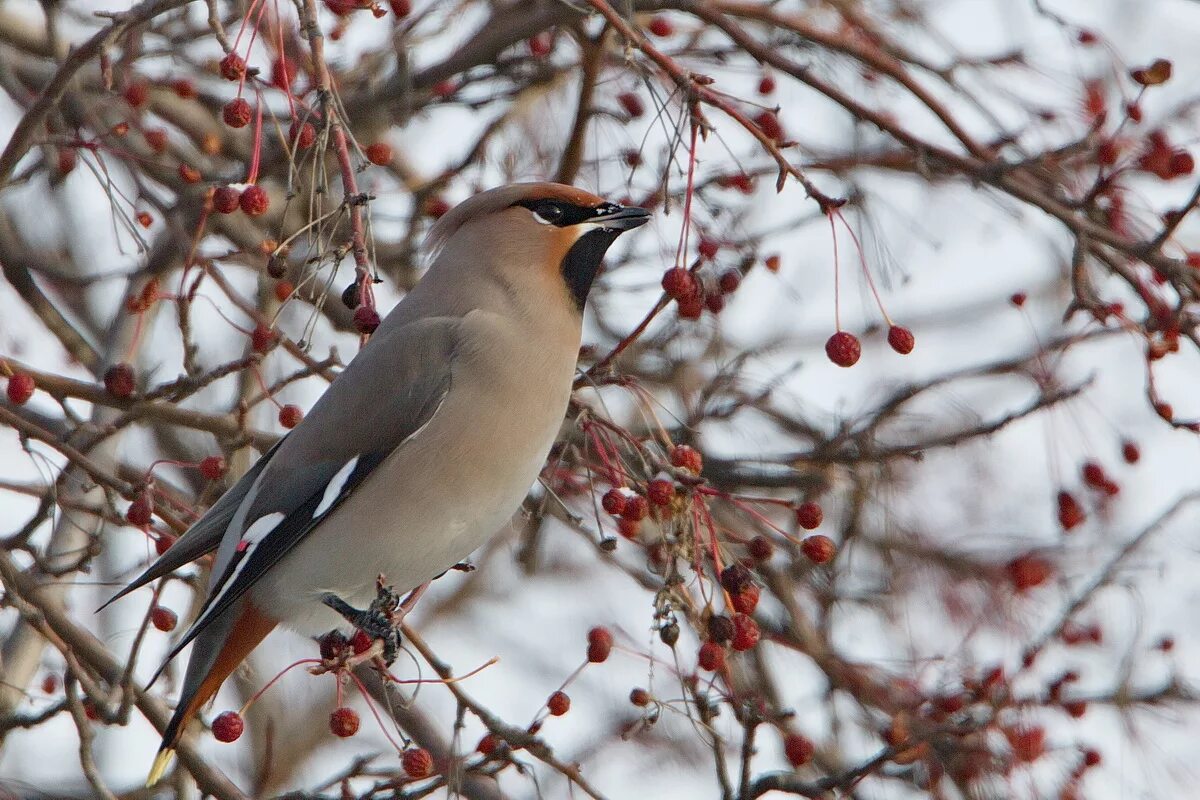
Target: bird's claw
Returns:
[379, 620]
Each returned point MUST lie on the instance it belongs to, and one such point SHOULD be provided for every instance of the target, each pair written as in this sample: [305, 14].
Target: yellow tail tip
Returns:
[161, 762]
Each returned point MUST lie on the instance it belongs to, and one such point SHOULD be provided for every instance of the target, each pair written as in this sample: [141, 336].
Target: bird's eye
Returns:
[548, 213]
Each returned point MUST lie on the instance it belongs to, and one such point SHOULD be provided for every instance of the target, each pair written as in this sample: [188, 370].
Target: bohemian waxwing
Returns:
[422, 448]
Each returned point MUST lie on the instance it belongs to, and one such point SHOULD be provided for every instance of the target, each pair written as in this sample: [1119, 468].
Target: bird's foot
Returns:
[381, 620]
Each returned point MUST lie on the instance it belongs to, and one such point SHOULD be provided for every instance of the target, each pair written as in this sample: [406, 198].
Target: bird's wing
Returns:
[387, 394]
[205, 534]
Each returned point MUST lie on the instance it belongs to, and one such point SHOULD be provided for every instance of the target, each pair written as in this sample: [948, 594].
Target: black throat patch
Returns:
[582, 262]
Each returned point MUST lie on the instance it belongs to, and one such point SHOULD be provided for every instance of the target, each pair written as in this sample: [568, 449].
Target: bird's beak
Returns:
[622, 219]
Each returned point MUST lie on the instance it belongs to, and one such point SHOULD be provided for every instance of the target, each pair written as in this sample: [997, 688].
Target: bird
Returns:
[419, 450]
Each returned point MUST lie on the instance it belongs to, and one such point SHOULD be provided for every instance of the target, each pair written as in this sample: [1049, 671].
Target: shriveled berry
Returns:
[233, 67]
[236, 113]
[600, 642]
[344, 722]
[613, 501]
[212, 468]
[720, 628]
[20, 388]
[799, 749]
[901, 339]
[379, 153]
[333, 644]
[1159, 72]
[669, 634]
[228, 726]
[631, 104]
[226, 199]
[688, 458]
[809, 515]
[745, 633]
[417, 762]
[819, 549]
[163, 618]
[290, 416]
[255, 201]
[1018, 299]
[760, 548]
[351, 296]
[745, 601]
[141, 510]
[119, 381]
[559, 703]
[735, 578]
[366, 320]
[679, 283]
[636, 508]
[660, 491]
[843, 349]
[639, 697]
[711, 657]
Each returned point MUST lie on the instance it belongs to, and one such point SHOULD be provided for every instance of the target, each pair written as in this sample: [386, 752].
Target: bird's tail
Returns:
[217, 652]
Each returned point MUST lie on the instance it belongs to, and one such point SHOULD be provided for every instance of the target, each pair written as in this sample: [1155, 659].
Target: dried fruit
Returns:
[236, 113]
[632, 104]
[720, 628]
[639, 697]
[711, 657]
[228, 726]
[212, 468]
[679, 283]
[333, 644]
[141, 510]
[745, 633]
[366, 319]
[20, 388]
[636, 508]
[600, 642]
[226, 199]
[233, 67]
[809, 515]
[417, 762]
[254, 201]
[745, 601]
[559, 703]
[843, 349]
[708, 248]
[819, 549]
[768, 123]
[669, 634]
[729, 281]
[613, 501]
[735, 578]
[344, 722]
[137, 93]
[487, 744]
[799, 749]
[261, 338]
[1158, 73]
[901, 339]
[302, 135]
[118, 380]
[290, 416]
[284, 291]
[760, 548]
[660, 491]
[660, 26]
[379, 153]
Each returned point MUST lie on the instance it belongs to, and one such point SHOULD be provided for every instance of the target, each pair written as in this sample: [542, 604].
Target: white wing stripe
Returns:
[333, 490]
[257, 531]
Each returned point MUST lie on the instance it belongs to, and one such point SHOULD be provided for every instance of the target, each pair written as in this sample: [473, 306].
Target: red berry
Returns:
[341, 7]
[771, 263]
[233, 67]
[344, 722]
[720, 628]
[401, 8]
[745, 601]
[417, 762]
[189, 174]
[1086, 37]
[302, 134]
[1017, 299]
[1070, 512]
[1182, 163]
[768, 123]
[236, 113]
[1130, 452]
[559, 703]
[163, 618]
[660, 491]
[600, 642]
[261, 338]
[20, 388]
[1091, 757]
[711, 657]
[144, 219]
[163, 543]
[632, 104]
[284, 291]
[766, 84]
[366, 320]
[333, 644]
[843, 349]
[379, 153]
[679, 283]
[487, 745]
[760, 548]
[901, 339]
[1093, 475]
[729, 281]
[1158, 73]
[228, 726]
[254, 201]
[639, 697]
[137, 93]
[290, 416]
[283, 72]
[140, 510]
[690, 307]
[798, 749]
[1028, 743]
[708, 248]
[541, 44]
[819, 549]
[636, 508]
[688, 458]
[660, 26]
[184, 88]
[735, 578]
[50, 683]
[629, 528]
[213, 468]
[1028, 571]
[156, 138]
[809, 515]
[436, 207]
[613, 501]
[118, 380]
[226, 199]
[745, 633]
[360, 642]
